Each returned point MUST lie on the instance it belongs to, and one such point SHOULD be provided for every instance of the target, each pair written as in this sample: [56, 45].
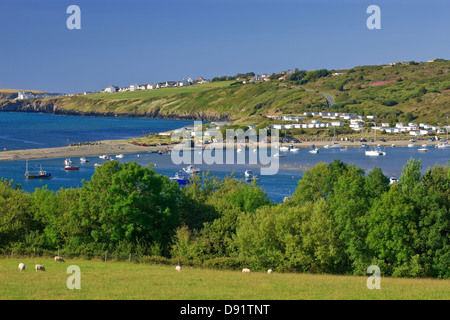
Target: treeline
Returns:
[339, 220]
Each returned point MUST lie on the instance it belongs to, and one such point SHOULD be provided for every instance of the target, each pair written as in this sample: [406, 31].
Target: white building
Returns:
[133, 87]
[110, 89]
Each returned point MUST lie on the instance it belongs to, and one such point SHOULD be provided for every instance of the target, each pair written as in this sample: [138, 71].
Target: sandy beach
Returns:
[114, 147]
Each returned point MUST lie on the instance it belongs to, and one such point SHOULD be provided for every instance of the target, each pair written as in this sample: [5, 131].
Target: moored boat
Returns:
[180, 179]
[41, 174]
[191, 170]
[68, 165]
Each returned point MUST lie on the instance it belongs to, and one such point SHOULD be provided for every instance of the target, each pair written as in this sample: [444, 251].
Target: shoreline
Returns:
[114, 147]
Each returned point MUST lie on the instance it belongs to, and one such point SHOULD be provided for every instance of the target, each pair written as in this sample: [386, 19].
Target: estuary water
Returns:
[36, 130]
[31, 132]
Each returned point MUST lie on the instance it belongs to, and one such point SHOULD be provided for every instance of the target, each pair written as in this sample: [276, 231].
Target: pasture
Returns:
[132, 281]
[156, 93]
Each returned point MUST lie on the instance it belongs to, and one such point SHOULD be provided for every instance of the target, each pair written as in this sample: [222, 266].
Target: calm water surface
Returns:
[277, 186]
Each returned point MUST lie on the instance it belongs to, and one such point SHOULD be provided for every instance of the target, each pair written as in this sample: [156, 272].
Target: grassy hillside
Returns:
[221, 100]
[131, 281]
[391, 92]
[404, 92]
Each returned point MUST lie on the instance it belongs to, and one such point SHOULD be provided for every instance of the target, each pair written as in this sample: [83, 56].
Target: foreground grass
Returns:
[122, 280]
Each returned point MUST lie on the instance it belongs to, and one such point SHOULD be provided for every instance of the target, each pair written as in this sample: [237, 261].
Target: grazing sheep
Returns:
[269, 271]
[59, 258]
[39, 267]
[178, 268]
[246, 270]
[21, 266]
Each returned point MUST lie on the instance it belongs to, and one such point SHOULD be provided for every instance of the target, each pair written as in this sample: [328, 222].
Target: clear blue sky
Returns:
[141, 41]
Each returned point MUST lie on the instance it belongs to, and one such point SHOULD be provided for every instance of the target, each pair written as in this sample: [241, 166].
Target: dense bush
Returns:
[339, 220]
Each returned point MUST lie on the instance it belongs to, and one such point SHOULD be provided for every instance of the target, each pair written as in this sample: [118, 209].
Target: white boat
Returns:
[423, 149]
[424, 146]
[410, 145]
[393, 145]
[294, 149]
[284, 148]
[83, 160]
[97, 165]
[191, 170]
[103, 156]
[333, 146]
[393, 180]
[375, 152]
[248, 173]
[443, 145]
[239, 150]
[119, 156]
[279, 155]
[315, 150]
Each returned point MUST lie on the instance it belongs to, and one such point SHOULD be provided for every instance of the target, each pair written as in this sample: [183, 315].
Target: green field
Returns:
[143, 94]
[122, 280]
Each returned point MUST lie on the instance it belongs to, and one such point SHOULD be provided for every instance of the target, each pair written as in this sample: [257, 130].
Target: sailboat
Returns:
[41, 174]
[374, 152]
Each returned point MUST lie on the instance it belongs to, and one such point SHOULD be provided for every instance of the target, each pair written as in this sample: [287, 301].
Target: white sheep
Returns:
[21, 266]
[59, 258]
[178, 268]
[246, 270]
[269, 271]
[39, 267]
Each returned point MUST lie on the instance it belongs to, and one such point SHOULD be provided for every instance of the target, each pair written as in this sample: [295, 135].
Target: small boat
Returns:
[393, 180]
[179, 179]
[119, 156]
[239, 150]
[315, 150]
[83, 160]
[41, 174]
[410, 145]
[422, 149]
[103, 156]
[334, 146]
[279, 155]
[443, 145]
[375, 152]
[284, 148]
[393, 145]
[68, 165]
[97, 165]
[293, 149]
[191, 170]
[248, 173]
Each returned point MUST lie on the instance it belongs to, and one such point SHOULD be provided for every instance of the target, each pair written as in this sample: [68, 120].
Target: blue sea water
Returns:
[35, 130]
[49, 131]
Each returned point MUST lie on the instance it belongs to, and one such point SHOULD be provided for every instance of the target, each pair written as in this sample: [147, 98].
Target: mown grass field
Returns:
[144, 94]
[131, 281]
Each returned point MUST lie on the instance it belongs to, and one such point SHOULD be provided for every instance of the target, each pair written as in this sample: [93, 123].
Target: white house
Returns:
[143, 87]
[24, 95]
[183, 83]
[151, 86]
[133, 87]
[110, 89]
[337, 124]
[371, 117]
[385, 124]
[356, 126]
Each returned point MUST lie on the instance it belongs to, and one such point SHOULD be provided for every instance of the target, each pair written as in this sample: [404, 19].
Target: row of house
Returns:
[152, 86]
[21, 95]
[355, 122]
